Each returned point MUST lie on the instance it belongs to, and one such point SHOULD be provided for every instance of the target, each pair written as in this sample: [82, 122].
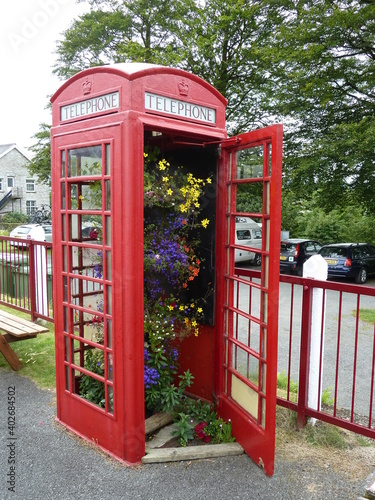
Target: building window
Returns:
[1, 184]
[30, 185]
[30, 207]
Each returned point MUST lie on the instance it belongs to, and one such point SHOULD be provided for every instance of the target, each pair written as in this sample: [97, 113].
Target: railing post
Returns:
[304, 364]
[32, 281]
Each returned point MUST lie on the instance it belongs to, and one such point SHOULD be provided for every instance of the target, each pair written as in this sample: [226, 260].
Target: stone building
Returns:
[19, 191]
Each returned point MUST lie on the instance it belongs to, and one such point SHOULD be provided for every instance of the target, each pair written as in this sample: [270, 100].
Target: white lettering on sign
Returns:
[161, 104]
[91, 106]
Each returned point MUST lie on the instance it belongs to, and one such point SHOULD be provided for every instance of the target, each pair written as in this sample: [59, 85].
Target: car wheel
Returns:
[362, 276]
[257, 261]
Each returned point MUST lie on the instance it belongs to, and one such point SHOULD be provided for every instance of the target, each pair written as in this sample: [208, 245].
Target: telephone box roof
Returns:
[133, 71]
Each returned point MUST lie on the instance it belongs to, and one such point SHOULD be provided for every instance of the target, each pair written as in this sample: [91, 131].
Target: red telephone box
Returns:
[102, 120]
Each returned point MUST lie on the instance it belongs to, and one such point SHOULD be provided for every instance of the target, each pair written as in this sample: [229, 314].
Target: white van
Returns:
[248, 233]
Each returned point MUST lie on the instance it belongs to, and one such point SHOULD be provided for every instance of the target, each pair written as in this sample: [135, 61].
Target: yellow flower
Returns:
[170, 308]
[163, 164]
[192, 305]
[208, 180]
[205, 223]
[165, 179]
[194, 323]
[169, 191]
[200, 310]
[196, 332]
[181, 308]
[197, 205]
[183, 209]
[145, 155]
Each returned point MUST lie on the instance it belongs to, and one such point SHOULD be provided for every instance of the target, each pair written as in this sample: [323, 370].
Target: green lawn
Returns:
[37, 355]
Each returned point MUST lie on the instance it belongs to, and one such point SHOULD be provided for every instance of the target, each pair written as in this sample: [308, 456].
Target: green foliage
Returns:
[306, 219]
[184, 428]
[307, 64]
[90, 388]
[322, 60]
[40, 164]
[327, 398]
[282, 382]
[367, 315]
[325, 435]
[13, 219]
[199, 419]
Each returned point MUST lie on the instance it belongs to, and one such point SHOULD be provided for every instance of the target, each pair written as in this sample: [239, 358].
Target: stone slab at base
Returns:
[158, 455]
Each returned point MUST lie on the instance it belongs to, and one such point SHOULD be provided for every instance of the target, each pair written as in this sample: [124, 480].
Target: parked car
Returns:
[249, 234]
[294, 252]
[40, 232]
[349, 260]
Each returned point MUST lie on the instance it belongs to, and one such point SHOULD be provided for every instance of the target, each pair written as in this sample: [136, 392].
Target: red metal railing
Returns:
[26, 276]
[345, 363]
[342, 369]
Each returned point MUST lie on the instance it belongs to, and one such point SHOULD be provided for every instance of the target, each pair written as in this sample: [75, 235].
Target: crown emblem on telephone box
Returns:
[183, 88]
[86, 86]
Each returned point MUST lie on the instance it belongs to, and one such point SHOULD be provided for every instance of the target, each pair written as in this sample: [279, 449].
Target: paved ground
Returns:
[51, 464]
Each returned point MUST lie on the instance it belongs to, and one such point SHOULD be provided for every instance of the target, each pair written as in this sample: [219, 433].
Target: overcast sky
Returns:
[28, 33]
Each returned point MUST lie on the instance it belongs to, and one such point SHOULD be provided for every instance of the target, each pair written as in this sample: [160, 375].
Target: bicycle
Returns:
[42, 214]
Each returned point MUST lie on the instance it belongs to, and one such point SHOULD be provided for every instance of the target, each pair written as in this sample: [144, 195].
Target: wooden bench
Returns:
[16, 329]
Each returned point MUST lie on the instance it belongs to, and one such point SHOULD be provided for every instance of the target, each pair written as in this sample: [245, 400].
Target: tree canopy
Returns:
[307, 63]
[323, 68]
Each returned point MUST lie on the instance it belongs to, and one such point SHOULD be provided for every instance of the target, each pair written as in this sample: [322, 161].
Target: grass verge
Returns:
[37, 355]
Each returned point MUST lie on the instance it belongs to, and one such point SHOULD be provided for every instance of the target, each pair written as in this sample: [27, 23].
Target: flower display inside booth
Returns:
[172, 200]
[178, 291]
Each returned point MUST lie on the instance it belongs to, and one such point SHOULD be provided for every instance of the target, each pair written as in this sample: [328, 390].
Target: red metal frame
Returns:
[121, 432]
[346, 380]
[254, 430]
[26, 276]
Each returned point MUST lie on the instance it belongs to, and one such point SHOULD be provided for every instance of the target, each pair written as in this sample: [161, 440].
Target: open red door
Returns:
[249, 190]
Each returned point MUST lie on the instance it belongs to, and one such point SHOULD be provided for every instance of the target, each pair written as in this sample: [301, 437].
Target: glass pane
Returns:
[250, 163]
[85, 161]
[109, 333]
[63, 163]
[91, 228]
[107, 159]
[67, 378]
[108, 231]
[66, 319]
[269, 159]
[63, 223]
[109, 300]
[249, 198]
[63, 197]
[110, 366]
[87, 261]
[65, 262]
[86, 196]
[108, 195]
[67, 349]
[65, 288]
[93, 323]
[109, 266]
[110, 399]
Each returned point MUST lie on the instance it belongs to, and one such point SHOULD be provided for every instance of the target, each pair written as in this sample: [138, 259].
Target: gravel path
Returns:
[50, 463]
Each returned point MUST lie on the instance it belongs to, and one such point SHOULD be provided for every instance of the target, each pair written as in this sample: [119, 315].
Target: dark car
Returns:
[349, 260]
[294, 252]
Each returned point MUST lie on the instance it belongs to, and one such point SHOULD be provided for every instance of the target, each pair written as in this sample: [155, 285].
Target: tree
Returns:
[307, 63]
[214, 39]
[41, 161]
[118, 31]
[322, 68]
